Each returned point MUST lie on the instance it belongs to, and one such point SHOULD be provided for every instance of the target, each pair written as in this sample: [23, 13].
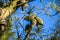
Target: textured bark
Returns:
[7, 11]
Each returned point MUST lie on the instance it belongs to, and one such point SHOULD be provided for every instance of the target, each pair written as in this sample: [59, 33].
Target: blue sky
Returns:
[49, 22]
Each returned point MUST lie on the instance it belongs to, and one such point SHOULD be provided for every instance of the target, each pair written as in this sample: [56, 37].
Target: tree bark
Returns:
[7, 11]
